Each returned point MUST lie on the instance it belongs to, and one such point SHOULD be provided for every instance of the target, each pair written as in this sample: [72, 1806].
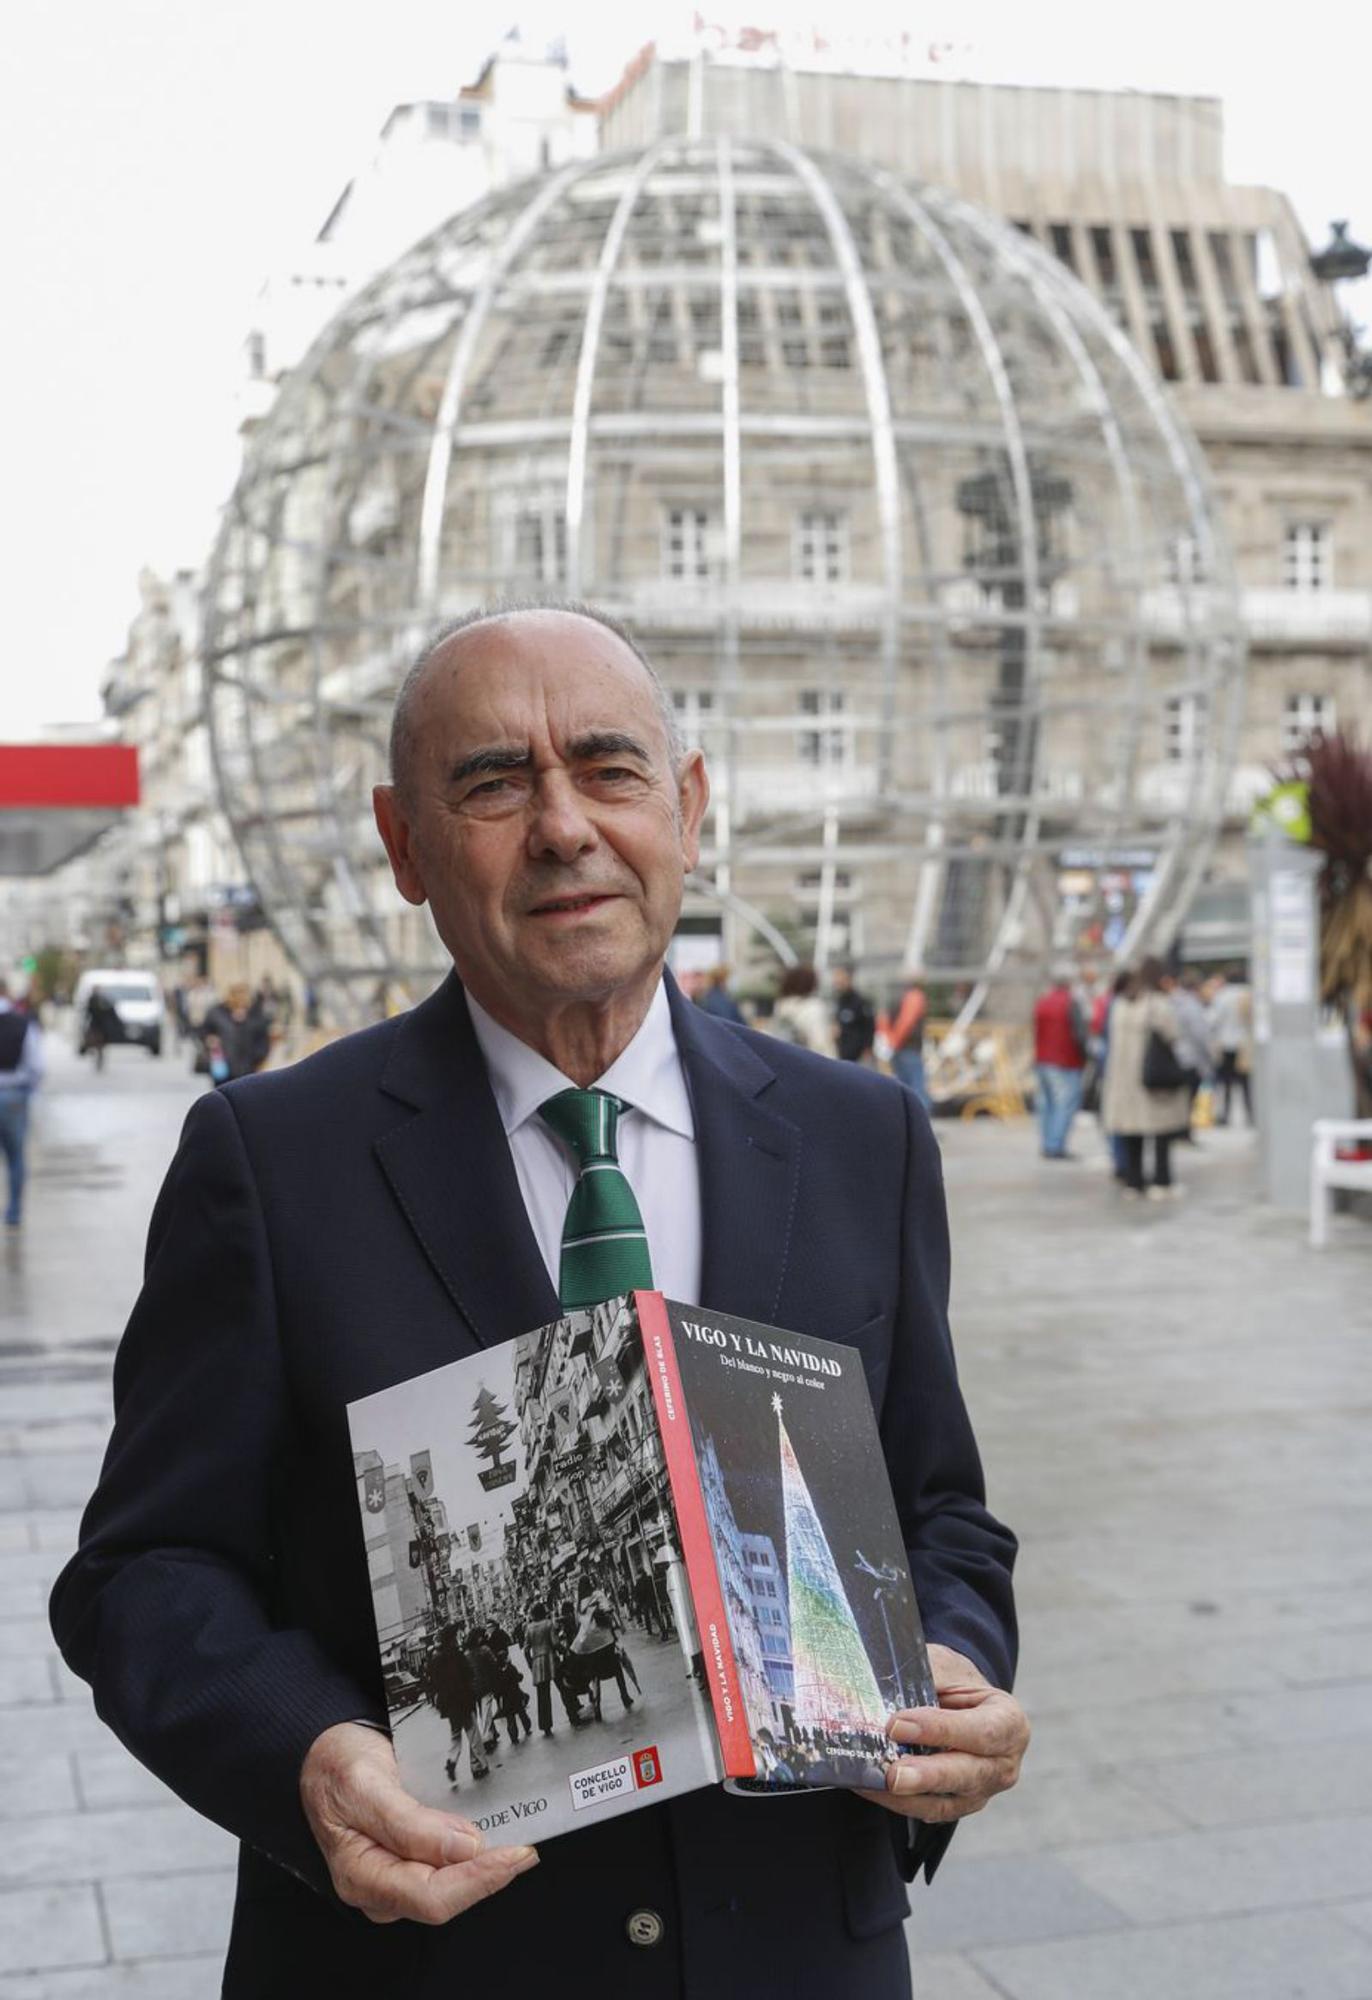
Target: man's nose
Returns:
[560, 824]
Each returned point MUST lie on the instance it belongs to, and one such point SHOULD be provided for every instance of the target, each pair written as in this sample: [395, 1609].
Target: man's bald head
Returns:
[405, 717]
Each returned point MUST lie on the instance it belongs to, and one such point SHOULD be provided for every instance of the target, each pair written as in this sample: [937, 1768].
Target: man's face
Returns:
[542, 822]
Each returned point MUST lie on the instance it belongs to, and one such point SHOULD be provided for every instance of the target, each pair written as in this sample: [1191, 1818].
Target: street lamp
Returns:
[1342, 261]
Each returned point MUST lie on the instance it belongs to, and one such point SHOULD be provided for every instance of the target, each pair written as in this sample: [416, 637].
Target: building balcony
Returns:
[1270, 617]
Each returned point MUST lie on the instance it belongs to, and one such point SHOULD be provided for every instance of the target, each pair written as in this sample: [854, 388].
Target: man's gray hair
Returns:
[403, 731]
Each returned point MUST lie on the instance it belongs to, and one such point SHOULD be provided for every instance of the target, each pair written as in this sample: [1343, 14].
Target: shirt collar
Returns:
[647, 1075]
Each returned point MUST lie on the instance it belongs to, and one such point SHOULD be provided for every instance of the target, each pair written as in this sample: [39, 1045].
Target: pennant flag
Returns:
[422, 1472]
[374, 1488]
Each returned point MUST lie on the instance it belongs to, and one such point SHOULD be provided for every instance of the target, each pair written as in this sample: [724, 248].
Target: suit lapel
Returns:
[450, 1169]
[749, 1164]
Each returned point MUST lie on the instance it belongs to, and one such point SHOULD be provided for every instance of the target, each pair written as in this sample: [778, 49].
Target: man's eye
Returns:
[615, 773]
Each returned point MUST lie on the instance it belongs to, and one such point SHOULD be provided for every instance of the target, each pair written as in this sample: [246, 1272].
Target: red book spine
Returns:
[697, 1545]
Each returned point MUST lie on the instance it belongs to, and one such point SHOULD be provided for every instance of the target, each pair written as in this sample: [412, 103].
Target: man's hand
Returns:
[978, 1736]
[389, 1856]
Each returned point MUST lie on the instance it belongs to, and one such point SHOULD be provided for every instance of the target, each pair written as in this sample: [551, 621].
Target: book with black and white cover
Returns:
[634, 1552]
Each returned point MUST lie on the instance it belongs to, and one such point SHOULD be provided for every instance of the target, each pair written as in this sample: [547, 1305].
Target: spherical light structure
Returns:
[916, 540]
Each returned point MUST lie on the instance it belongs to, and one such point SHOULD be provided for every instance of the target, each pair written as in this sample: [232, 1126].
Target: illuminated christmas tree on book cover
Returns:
[812, 1569]
[835, 1688]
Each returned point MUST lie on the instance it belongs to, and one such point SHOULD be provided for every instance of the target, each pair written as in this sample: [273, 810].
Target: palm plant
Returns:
[1336, 771]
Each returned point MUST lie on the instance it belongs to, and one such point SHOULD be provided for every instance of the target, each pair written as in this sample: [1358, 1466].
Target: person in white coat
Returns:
[1129, 1109]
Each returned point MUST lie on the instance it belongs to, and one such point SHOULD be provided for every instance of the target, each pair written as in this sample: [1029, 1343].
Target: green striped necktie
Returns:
[604, 1245]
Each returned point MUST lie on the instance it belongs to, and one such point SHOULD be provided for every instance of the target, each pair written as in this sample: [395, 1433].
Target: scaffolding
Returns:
[916, 540]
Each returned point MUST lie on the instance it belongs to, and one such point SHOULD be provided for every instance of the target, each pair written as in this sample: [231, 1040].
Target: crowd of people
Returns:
[845, 1023]
[472, 1681]
[1138, 1053]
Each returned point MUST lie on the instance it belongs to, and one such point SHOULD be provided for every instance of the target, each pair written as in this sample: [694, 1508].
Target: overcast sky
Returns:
[160, 158]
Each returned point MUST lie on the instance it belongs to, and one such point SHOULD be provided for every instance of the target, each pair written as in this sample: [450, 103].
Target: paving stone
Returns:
[57, 1529]
[172, 1917]
[1172, 1877]
[1062, 1807]
[1359, 1915]
[40, 1782]
[25, 1639]
[102, 1846]
[108, 1776]
[939, 1975]
[1286, 1956]
[1004, 1900]
[1278, 1783]
[48, 1926]
[27, 1681]
[60, 1479]
[169, 1979]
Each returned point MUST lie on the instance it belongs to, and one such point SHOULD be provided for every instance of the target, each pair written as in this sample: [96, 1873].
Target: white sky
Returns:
[157, 159]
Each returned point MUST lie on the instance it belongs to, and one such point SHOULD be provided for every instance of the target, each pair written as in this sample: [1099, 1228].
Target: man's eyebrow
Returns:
[606, 743]
[482, 763]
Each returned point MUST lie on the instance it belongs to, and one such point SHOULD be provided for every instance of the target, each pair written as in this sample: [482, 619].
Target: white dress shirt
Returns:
[656, 1141]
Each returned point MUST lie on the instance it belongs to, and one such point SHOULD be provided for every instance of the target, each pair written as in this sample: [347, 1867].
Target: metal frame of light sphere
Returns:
[913, 534]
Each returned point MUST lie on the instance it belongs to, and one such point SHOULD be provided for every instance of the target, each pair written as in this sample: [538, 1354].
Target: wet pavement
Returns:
[1173, 1402]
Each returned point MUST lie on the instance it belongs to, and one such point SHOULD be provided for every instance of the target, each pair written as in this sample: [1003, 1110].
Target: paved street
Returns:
[1173, 1402]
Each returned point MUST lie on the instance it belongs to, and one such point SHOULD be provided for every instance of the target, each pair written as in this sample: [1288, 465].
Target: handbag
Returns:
[1161, 1070]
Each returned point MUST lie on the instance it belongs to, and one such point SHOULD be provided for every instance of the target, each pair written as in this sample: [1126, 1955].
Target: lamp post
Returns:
[1342, 261]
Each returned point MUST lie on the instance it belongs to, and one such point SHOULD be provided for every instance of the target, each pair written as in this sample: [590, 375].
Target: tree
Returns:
[491, 1429]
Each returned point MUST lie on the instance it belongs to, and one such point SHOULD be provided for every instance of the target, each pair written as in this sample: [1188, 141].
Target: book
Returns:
[640, 1550]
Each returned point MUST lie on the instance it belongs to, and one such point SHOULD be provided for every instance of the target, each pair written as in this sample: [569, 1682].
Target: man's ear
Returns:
[693, 795]
[397, 836]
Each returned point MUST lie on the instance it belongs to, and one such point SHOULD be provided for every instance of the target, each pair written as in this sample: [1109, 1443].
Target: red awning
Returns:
[81, 775]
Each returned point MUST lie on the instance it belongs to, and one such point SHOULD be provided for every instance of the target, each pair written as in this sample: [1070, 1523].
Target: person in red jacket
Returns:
[1059, 1059]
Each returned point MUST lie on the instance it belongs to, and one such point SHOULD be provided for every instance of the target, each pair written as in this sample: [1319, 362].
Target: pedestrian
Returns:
[332, 1227]
[905, 1038]
[715, 997]
[1231, 1032]
[539, 1646]
[855, 1020]
[1126, 984]
[21, 1072]
[1135, 1109]
[1193, 1040]
[1059, 1060]
[595, 1649]
[102, 1026]
[646, 1605]
[800, 1015]
[451, 1689]
[512, 1704]
[483, 1667]
[237, 1035]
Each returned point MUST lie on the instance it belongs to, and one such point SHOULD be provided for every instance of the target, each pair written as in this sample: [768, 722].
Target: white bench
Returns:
[1327, 1171]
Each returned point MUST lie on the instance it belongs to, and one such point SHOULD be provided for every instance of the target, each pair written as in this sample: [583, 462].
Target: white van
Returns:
[136, 998]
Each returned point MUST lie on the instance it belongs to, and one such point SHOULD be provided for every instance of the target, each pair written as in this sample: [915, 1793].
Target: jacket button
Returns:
[644, 1928]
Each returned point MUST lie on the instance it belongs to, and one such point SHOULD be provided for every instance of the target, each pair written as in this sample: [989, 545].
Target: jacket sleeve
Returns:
[164, 1609]
[961, 1557]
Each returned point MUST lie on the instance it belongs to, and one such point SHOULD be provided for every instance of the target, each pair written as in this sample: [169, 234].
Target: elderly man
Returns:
[397, 1201]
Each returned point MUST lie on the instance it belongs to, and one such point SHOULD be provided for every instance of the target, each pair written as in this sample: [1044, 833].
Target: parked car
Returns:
[136, 998]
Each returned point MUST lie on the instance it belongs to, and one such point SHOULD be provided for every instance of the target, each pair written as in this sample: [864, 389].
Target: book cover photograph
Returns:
[811, 1566]
[540, 1655]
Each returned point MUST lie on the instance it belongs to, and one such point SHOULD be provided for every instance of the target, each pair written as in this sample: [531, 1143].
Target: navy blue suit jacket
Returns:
[330, 1229]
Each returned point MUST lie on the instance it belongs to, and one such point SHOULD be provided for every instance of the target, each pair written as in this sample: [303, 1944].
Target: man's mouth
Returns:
[567, 906]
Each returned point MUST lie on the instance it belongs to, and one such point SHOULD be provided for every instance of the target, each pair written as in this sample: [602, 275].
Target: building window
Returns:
[1304, 716]
[1185, 564]
[540, 542]
[695, 711]
[1061, 236]
[821, 547]
[828, 749]
[469, 121]
[1185, 261]
[1308, 555]
[1184, 727]
[686, 539]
